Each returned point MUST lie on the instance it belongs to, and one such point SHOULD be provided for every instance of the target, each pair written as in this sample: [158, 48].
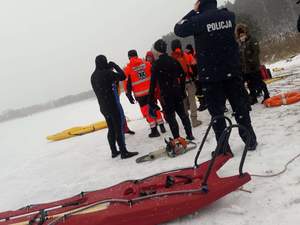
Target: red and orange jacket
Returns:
[186, 62]
[138, 73]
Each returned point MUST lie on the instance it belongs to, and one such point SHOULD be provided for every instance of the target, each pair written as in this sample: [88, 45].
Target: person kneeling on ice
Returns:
[138, 73]
[169, 75]
[103, 81]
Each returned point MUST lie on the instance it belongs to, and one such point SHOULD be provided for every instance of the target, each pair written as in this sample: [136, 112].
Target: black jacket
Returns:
[104, 81]
[249, 53]
[298, 25]
[169, 75]
[216, 48]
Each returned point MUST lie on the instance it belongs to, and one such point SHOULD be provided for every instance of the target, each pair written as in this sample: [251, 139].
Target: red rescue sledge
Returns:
[154, 200]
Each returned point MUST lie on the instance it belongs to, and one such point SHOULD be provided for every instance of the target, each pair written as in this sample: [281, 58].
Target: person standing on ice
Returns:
[189, 50]
[250, 62]
[138, 73]
[169, 75]
[126, 128]
[218, 63]
[103, 82]
[186, 62]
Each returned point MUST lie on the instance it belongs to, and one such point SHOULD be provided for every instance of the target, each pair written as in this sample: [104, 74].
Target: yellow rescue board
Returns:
[77, 131]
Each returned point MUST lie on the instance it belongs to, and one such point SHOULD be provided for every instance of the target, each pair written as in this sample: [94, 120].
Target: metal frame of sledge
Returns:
[223, 142]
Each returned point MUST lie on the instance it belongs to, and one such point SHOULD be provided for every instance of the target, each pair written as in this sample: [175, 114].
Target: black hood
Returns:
[101, 62]
[207, 5]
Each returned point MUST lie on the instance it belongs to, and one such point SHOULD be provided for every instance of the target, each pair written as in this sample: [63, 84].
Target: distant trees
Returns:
[272, 22]
[27, 111]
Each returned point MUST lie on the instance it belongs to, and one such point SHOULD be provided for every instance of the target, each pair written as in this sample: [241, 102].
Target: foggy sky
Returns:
[48, 46]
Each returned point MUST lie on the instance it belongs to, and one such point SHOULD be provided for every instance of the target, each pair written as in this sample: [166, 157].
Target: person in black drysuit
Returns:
[169, 75]
[218, 64]
[103, 81]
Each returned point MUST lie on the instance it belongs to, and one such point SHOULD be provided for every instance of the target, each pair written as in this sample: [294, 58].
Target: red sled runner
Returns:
[154, 200]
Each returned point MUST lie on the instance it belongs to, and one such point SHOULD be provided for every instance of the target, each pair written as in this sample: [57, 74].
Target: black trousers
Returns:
[200, 93]
[115, 123]
[174, 105]
[256, 85]
[233, 90]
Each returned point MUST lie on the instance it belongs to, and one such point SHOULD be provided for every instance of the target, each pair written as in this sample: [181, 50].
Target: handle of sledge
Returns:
[213, 120]
[223, 140]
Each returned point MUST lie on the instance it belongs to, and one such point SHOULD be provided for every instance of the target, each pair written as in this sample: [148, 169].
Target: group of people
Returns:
[225, 57]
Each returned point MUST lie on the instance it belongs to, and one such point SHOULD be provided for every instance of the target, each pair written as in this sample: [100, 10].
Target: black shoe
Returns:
[130, 132]
[154, 133]
[127, 155]
[190, 137]
[228, 152]
[115, 154]
[265, 98]
[253, 146]
[253, 101]
[162, 128]
[202, 108]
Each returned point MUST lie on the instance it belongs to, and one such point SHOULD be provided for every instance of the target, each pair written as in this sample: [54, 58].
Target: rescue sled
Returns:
[154, 200]
[77, 131]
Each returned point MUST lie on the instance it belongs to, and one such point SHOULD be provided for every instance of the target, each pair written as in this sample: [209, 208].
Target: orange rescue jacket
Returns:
[138, 73]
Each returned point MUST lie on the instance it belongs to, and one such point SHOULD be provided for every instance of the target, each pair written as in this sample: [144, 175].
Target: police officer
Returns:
[218, 63]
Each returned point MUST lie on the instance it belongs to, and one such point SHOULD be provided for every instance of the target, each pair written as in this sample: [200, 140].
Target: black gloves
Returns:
[130, 98]
[112, 65]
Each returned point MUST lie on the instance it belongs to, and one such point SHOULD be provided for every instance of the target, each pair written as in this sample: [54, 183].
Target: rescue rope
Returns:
[279, 173]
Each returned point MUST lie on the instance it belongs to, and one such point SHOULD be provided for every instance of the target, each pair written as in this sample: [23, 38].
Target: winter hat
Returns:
[132, 53]
[176, 44]
[160, 46]
[207, 4]
[241, 28]
[204, 2]
[101, 62]
[150, 55]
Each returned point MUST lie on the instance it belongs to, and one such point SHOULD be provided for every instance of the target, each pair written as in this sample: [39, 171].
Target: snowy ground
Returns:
[34, 170]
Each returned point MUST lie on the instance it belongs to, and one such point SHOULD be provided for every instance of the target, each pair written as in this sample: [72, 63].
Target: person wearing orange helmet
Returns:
[138, 73]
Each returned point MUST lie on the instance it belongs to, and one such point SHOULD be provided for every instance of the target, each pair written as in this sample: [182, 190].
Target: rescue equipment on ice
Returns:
[172, 150]
[283, 99]
[156, 199]
[77, 131]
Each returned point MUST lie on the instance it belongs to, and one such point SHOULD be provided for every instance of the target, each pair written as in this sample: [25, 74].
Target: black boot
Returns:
[154, 133]
[127, 155]
[162, 128]
[253, 101]
[115, 154]
[252, 146]
[190, 137]
[129, 132]
[265, 98]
